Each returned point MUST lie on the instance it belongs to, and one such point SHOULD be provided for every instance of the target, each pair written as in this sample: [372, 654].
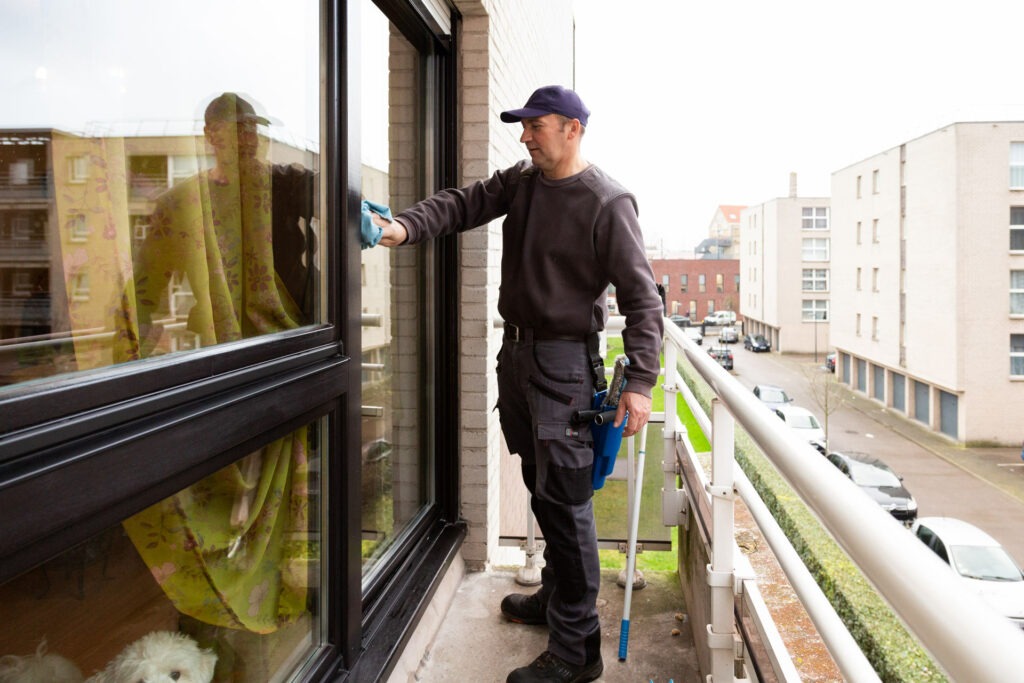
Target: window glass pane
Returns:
[157, 223]
[1017, 239]
[1017, 215]
[232, 562]
[395, 290]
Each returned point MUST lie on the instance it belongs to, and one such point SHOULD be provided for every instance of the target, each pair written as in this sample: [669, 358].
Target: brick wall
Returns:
[506, 50]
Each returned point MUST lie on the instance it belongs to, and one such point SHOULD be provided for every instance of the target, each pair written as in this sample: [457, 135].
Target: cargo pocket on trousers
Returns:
[569, 476]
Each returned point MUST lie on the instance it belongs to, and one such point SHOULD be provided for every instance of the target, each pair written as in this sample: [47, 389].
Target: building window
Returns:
[815, 249]
[1017, 165]
[80, 287]
[1017, 291]
[815, 279]
[814, 218]
[874, 181]
[719, 283]
[874, 231]
[684, 282]
[874, 327]
[858, 279]
[1017, 355]
[1017, 228]
[874, 279]
[814, 310]
[856, 328]
[140, 226]
[78, 169]
[858, 187]
[858, 232]
[183, 166]
[78, 229]
[702, 284]
[664, 281]
[736, 279]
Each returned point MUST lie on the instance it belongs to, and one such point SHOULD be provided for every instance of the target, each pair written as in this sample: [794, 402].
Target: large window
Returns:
[815, 249]
[1017, 165]
[814, 218]
[1017, 355]
[1017, 292]
[394, 455]
[815, 280]
[814, 310]
[1017, 228]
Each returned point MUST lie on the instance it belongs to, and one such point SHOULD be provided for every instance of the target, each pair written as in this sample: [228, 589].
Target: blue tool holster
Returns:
[607, 440]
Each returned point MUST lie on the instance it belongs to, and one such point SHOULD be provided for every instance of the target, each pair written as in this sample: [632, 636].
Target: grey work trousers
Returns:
[541, 384]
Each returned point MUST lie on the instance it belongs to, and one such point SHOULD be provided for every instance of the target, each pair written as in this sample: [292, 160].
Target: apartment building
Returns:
[785, 272]
[723, 238]
[928, 283]
[698, 287]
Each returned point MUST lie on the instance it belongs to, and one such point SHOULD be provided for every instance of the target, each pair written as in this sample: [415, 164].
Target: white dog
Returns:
[42, 667]
[159, 657]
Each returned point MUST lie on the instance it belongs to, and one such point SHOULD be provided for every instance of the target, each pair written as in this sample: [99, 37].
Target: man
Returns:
[569, 231]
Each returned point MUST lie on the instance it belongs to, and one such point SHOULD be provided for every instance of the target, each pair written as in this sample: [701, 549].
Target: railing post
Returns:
[671, 387]
[721, 571]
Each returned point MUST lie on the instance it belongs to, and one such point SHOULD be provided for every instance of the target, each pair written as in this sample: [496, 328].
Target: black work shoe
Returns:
[549, 667]
[524, 609]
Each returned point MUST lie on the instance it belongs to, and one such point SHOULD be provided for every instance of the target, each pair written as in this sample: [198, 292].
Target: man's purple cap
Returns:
[551, 99]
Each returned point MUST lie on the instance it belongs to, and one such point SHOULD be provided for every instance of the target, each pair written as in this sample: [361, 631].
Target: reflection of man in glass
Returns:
[238, 236]
[235, 240]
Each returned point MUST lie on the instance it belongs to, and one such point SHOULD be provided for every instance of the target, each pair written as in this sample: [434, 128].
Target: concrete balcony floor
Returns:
[476, 643]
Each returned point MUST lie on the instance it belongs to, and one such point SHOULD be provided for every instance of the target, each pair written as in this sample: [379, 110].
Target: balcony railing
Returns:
[962, 634]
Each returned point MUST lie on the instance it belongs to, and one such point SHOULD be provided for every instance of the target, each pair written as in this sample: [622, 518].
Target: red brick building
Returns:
[699, 286]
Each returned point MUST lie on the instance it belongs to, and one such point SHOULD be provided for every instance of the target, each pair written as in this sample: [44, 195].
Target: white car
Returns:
[985, 566]
[694, 334]
[721, 318]
[804, 422]
[728, 335]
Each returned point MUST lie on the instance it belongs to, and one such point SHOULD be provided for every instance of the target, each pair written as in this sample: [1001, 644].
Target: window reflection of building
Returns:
[73, 211]
[395, 414]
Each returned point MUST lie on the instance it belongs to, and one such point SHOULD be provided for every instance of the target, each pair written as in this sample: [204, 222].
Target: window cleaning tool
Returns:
[634, 528]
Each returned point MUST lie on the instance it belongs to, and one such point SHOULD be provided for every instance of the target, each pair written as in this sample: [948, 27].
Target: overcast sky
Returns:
[697, 104]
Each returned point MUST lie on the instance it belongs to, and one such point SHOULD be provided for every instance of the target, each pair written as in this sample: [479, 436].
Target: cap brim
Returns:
[514, 115]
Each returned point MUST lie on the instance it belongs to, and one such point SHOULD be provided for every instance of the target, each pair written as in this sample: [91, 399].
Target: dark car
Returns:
[680, 320]
[756, 342]
[878, 480]
[723, 355]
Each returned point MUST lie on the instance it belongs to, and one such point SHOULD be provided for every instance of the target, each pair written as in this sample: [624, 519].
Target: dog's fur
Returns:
[42, 667]
[156, 658]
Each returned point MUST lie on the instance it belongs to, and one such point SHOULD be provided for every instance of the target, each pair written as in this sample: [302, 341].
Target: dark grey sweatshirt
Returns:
[563, 242]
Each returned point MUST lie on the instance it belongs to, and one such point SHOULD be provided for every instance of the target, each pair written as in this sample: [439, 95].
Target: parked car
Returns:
[984, 565]
[756, 342]
[680, 320]
[722, 354]
[728, 335]
[720, 318]
[694, 334]
[830, 362]
[879, 481]
[772, 396]
[805, 423]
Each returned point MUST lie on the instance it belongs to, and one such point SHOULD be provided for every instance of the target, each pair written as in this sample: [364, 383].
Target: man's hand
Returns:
[639, 407]
[394, 232]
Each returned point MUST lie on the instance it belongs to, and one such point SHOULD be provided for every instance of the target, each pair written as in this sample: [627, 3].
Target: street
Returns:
[983, 486]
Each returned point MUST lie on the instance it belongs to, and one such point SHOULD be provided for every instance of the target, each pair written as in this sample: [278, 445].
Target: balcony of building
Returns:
[742, 603]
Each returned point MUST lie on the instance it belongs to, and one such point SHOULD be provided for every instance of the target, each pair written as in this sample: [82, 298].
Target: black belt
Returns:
[527, 335]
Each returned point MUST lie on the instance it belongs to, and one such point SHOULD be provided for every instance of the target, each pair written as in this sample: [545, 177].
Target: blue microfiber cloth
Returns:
[369, 233]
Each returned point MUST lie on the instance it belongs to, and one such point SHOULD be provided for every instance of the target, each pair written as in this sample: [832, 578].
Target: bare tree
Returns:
[828, 394]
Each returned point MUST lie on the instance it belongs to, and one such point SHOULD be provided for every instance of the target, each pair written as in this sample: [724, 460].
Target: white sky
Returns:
[697, 104]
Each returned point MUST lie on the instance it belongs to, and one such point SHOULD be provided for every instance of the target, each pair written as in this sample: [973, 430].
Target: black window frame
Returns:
[87, 440]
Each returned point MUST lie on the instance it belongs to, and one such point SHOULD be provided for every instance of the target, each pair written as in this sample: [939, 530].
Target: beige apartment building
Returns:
[928, 286]
[723, 240]
[785, 272]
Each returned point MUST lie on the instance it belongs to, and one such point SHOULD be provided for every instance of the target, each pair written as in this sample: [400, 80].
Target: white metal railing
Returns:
[964, 636]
